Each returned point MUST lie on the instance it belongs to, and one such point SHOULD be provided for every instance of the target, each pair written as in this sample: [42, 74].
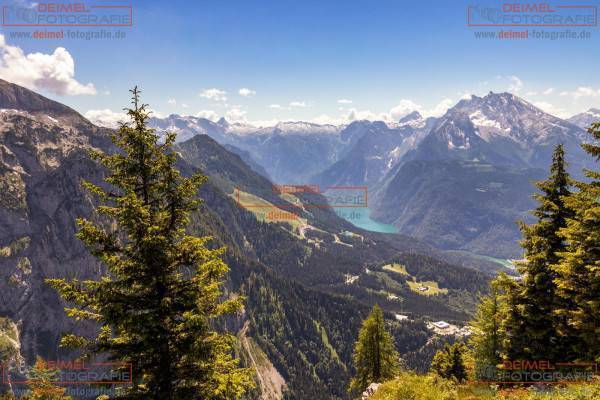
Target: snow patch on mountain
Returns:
[479, 119]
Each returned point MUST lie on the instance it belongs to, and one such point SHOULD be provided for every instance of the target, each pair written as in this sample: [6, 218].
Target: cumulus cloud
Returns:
[325, 119]
[344, 101]
[551, 109]
[245, 92]
[439, 109]
[276, 106]
[38, 71]
[106, 117]
[403, 108]
[236, 114]
[214, 94]
[155, 113]
[548, 91]
[172, 101]
[582, 91]
[357, 115]
[515, 84]
[207, 114]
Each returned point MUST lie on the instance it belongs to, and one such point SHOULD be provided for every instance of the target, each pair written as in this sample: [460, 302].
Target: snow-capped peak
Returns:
[305, 127]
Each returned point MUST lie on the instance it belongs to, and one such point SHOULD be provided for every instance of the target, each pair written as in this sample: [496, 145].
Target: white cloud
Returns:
[298, 104]
[38, 71]
[184, 105]
[357, 115]
[440, 108]
[403, 108]
[275, 106]
[172, 101]
[551, 109]
[548, 91]
[208, 114]
[344, 101]
[515, 84]
[236, 114]
[155, 113]
[214, 94]
[106, 117]
[325, 119]
[245, 92]
[582, 91]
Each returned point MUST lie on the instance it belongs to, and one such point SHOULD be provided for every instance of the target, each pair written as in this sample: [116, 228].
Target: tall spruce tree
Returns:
[488, 338]
[538, 333]
[158, 303]
[375, 356]
[578, 280]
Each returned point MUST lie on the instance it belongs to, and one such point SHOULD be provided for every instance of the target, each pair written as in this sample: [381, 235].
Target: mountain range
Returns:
[309, 279]
[459, 182]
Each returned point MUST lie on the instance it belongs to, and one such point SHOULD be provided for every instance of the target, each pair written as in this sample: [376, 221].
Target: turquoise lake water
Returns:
[360, 217]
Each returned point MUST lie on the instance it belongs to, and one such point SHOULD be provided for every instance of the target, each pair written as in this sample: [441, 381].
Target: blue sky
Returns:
[298, 59]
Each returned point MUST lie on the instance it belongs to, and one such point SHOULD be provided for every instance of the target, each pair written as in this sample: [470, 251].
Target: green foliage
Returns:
[449, 363]
[536, 329]
[375, 356]
[578, 270]
[554, 313]
[42, 384]
[409, 386]
[162, 295]
[488, 335]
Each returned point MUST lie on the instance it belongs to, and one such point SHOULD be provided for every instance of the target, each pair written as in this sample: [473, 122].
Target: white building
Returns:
[441, 324]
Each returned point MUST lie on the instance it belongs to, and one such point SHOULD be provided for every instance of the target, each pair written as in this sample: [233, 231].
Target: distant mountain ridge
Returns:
[502, 132]
[585, 119]
[373, 150]
[470, 179]
[500, 128]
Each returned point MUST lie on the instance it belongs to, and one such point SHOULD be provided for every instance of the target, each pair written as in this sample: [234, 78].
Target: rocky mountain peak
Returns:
[413, 116]
[14, 97]
[223, 122]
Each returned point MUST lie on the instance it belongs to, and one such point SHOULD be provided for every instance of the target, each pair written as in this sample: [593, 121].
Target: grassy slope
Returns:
[412, 386]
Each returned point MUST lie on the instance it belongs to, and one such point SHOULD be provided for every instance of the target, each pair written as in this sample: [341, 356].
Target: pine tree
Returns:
[578, 270]
[158, 304]
[449, 363]
[488, 336]
[43, 385]
[375, 356]
[538, 335]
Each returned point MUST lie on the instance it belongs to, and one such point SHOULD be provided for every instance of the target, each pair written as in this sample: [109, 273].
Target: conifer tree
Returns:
[538, 334]
[488, 336]
[158, 303]
[42, 383]
[375, 356]
[449, 363]
[578, 279]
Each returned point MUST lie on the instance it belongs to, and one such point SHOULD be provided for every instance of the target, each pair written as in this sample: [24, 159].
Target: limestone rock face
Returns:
[43, 156]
